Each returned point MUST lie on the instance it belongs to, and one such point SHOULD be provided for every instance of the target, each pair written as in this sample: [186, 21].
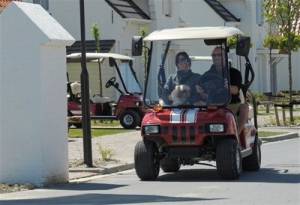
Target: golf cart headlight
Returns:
[216, 128]
[151, 129]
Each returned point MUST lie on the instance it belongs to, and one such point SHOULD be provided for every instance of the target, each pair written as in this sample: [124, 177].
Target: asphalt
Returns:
[122, 148]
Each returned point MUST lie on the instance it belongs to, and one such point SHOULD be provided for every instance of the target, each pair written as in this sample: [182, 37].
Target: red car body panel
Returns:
[125, 102]
[190, 130]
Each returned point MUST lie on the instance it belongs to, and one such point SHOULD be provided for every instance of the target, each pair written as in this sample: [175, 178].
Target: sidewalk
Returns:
[123, 145]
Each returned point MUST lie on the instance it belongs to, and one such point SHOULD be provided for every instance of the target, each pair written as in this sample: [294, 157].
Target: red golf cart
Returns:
[128, 109]
[189, 122]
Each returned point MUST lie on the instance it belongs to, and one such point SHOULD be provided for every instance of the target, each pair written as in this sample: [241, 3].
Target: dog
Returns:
[180, 95]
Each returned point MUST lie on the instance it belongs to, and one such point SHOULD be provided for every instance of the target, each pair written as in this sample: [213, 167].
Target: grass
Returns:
[269, 134]
[105, 123]
[77, 133]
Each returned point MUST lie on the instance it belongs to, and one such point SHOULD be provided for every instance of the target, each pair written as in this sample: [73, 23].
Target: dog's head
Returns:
[181, 94]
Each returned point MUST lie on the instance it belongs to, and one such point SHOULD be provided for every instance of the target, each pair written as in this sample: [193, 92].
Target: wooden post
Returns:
[276, 115]
[283, 115]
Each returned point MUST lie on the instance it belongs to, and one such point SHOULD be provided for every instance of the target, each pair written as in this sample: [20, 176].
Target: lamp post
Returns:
[84, 78]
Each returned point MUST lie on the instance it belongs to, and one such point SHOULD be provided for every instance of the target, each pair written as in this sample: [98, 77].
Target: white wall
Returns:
[183, 13]
[33, 127]
[282, 73]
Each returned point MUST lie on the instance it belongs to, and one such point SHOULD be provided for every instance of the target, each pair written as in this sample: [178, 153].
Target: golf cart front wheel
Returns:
[146, 160]
[130, 119]
[228, 158]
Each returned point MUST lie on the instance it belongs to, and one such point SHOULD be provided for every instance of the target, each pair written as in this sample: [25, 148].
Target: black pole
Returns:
[84, 78]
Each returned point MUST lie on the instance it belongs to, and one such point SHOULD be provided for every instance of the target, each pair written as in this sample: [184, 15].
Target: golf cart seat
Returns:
[76, 88]
[99, 99]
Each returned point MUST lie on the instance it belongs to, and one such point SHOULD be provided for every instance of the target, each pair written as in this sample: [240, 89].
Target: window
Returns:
[43, 3]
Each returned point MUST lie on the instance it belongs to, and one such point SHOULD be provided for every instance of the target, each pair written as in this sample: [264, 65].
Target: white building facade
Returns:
[120, 26]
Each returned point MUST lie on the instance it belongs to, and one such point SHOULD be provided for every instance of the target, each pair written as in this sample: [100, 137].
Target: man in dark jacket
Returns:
[213, 82]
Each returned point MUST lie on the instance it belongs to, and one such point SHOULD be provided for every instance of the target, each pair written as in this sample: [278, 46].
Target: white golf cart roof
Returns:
[93, 56]
[193, 33]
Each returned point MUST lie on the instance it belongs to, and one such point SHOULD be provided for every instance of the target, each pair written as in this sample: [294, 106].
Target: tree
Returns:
[96, 34]
[285, 16]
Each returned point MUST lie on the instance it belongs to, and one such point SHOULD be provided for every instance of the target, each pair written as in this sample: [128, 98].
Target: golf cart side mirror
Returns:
[137, 46]
[111, 61]
[243, 46]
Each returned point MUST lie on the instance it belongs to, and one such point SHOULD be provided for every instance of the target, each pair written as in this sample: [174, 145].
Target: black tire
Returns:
[146, 160]
[130, 119]
[228, 159]
[169, 164]
[253, 162]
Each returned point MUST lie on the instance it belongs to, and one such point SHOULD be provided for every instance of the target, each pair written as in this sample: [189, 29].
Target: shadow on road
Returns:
[265, 175]
[85, 186]
[103, 199]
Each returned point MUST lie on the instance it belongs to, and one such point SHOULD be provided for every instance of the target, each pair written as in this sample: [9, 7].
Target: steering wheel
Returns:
[110, 82]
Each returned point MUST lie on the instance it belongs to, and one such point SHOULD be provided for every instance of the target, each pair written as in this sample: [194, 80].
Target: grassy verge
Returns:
[105, 123]
[269, 134]
[77, 133]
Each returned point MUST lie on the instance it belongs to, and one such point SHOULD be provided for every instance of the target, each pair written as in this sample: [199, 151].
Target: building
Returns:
[119, 20]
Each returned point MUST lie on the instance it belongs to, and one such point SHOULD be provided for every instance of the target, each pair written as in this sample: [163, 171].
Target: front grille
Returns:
[192, 135]
[175, 134]
[182, 134]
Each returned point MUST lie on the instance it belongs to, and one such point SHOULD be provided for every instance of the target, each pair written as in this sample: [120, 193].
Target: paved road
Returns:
[278, 182]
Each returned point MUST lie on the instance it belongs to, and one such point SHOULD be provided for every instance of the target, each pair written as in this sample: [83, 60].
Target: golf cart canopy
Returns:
[193, 33]
[90, 57]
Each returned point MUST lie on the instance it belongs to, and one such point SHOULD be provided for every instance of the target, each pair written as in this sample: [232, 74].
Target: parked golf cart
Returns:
[200, 128]
[128, 109]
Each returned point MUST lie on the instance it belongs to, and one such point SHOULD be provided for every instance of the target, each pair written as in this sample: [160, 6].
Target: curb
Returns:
[101, 171]
[275, 138]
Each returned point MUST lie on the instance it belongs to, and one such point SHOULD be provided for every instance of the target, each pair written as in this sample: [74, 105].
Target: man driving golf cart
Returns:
[188, 133]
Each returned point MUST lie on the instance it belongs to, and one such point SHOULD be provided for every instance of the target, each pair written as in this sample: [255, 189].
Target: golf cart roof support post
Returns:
[120, 76]
[165, 53]
[228, 71]
[248, 82]
[161, 74]
[147, 72]
[86, 123]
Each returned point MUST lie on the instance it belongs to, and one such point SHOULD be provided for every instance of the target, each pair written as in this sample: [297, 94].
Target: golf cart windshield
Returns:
[129, 78]
[124, 74]
[190, 74]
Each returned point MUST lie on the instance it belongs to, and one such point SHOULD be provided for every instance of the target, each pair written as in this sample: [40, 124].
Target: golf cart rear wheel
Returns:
[169, 164]
[130, 119]
[228, 159]
[146, 160]
[252, 162]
